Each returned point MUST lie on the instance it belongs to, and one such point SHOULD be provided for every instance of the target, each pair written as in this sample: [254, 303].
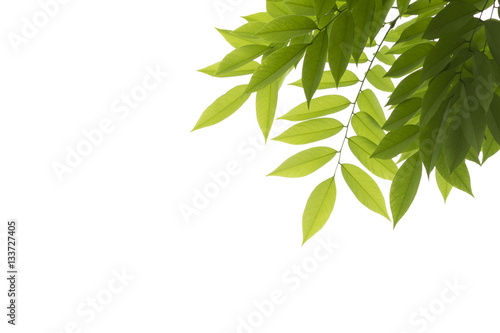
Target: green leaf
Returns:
[473, 117]
[364, 125]
[493, 118]
[277, 8]
[275, 65]
[376, 77]
[435, 94]
[314, 64]
[365, 189]
[305, 162]
[318, 209]
[284, 28]
[423, 6]
[243, 70]
[240, 57]
[248, 31]
[450, 19]
[362, 13]
[403, 113]
[223, 107]
[362, 59]
[368, 102]
[490, 146]
[492, 32]
[409, 60]
[460, 178]
[484, 79]
[395, 142]
[323, 7]
[310, 131]
[405, 186]
[301, 7]
[320, 106]
[341, 44]
[266, 103]
[403, 6]
[382, 56]
[406, 88]
[414, 31]
[239, 41]
[327, 82]
[382, 8]
[456, 146]
[258, 17]
[362, 148]
[443, 185]
[440, 56]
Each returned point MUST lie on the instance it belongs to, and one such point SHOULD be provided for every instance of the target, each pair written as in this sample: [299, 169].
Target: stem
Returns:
[391, 25]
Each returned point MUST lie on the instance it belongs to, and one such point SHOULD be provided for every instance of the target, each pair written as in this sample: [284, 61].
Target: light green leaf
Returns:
[275, 65]
[243, 70]
[341, 44]
[223, 107]
[382, 8]
[423, 6]
[376, 77]
[396, 141]
[382, 56]
[314, 64]
[277, 8]
[365, 189]
[363, 148]
[435, 94]
[266, 103]
[403, 113]
[258, 17]
[450, 19]
[238, 41]
[443, 185]
[460, 178]
[406, 88]
[320, 106]
[362, 13]
[409, 60]
[240, 57]
[364, 125]
[301, 7]
[403, 6]
[323, 7]
[284, 28]
[368, 102]
[327, 82]
[310, 131]
[404, 187]
[318, 209]
[305, 162]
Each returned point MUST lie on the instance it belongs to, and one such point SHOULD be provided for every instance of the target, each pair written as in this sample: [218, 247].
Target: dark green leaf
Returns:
[492, 33]
[403, 113]
[406, 88]
[409, 60]
[395, 142]
[436, 93]
[450, 19]
[362, 13]
[314, 64]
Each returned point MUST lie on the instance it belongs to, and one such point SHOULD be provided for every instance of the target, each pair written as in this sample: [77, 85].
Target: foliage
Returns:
[443, 111]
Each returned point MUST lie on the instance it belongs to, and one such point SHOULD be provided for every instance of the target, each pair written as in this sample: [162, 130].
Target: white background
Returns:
[120, 208]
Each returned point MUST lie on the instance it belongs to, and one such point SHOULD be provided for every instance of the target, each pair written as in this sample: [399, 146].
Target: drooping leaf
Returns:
[376, 77]
[305, 162]
[456, 146]
[320, 106]
[341, 44]
[364, 125]
[223, 107]
[368, 102]
[414, 31]
[318, 209]
[403, 6]
[363, 148]
[492, 28]
[484, 78]
[406, 88]
[382, 8]
[490, 146]
[365, 189]
[493, 118]
[314, 64]
[404, 187]
[443, 185]
[275, 65]
[473, 117]
[435, 94]
[396, 141]
[440, 56]
[284, 28]
[362, 13]
[459, 178]
[310, 131]
[266, 103]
